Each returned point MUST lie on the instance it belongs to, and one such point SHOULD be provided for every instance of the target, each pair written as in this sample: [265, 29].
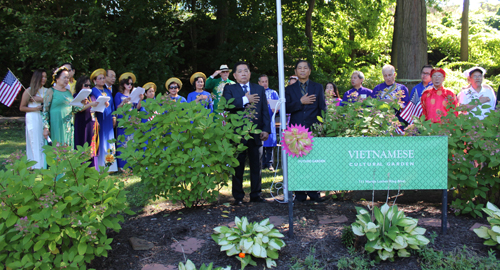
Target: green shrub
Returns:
[372, 118]
[390, 233]
[47, 223]
[184, 154]
[473, 158]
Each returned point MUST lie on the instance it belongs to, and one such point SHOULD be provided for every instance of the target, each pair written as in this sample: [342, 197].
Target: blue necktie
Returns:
[245, 89]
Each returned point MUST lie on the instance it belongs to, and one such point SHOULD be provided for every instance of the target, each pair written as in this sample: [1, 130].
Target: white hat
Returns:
[472, 69]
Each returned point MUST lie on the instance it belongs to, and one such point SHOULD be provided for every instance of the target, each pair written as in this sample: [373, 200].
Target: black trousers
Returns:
[302, 195]
[254, 153]
[267, 157]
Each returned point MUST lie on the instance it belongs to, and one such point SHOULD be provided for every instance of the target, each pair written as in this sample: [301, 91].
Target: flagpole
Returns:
[281, 79]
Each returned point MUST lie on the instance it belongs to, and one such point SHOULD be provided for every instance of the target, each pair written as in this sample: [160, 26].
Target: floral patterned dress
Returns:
[58, 116]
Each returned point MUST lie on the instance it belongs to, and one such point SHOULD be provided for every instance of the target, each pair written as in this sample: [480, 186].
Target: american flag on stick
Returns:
[414, 108]
[9, 88]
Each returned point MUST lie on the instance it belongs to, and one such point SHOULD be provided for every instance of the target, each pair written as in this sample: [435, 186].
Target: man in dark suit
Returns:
[244, 94]
[110, 82]
[305, 101]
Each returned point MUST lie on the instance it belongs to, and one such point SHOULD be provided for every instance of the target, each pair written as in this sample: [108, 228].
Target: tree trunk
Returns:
[410, 38]
[222, 19]
[309, 23]
[464, 41]
[395, 38]
[194, 37]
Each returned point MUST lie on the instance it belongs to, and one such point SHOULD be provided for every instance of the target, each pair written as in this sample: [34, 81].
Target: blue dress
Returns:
[271, 141]
[208, 104]
[106, 132]
[119, 97]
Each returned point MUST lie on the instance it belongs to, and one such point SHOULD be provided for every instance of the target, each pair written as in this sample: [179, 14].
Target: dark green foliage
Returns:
[57, 218]
[348, 237]
[183, 154]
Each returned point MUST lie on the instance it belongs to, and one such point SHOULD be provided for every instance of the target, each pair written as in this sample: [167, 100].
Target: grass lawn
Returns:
[12, 139]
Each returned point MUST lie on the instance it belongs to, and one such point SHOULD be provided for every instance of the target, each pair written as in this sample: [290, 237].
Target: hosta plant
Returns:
[390, 233]
[190, 266]
[492, 235]
[258, 239]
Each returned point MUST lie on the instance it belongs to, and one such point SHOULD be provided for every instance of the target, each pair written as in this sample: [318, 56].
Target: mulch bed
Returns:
[166, 224]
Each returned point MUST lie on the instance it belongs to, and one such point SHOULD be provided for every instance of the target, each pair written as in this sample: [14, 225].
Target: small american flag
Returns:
[9, 88]
[153, 116]
[414, 108]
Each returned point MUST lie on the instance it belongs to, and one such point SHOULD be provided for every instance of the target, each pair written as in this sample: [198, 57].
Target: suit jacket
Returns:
[262, 120]
[305, 115]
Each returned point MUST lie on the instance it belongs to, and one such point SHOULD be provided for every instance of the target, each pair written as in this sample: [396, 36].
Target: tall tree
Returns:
[309, 13]
[464, 40]
[410, 38]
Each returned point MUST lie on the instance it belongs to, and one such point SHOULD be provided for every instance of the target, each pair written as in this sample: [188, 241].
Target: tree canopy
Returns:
[157, 39]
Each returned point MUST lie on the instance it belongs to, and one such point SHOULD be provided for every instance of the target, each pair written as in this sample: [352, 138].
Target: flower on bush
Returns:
[297, 140]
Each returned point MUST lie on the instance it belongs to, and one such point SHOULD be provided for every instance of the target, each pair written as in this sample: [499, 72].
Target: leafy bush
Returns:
[246, 239]
[492, 235]
[183, 154]
[371, 117]
[473, 158]
[58, 220]
[390, 232]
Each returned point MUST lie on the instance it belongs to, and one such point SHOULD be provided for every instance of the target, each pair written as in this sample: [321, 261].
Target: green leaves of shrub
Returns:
[258, 239]
[473, 155]
[47, 223]
[390, 233]
[492, 235]
[371, 117]
[183, 154]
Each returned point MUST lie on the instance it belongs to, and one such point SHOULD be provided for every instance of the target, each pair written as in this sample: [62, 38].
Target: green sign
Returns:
[366, 163]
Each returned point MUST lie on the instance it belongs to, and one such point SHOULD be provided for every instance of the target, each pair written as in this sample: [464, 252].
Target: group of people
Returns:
[430, 97]
[51, 117]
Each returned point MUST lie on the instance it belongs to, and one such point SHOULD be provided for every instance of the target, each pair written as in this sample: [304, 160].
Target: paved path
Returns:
[15, 118]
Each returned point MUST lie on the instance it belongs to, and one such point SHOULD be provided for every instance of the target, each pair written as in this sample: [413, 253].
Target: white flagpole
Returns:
[281, 78]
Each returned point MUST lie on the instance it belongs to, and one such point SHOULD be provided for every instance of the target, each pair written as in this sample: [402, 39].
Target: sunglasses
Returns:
[87, 85]
[173, 87]
[128, 83]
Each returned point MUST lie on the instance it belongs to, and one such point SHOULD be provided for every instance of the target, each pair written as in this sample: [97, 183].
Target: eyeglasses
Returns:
[87, 85]
[173, 87]
[426, 73]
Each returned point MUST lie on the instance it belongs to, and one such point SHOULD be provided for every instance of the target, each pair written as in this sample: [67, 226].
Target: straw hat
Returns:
[175, 80]
[196, 75]
[96, 73]
[126, 75]
[224, 68]
[149, 85]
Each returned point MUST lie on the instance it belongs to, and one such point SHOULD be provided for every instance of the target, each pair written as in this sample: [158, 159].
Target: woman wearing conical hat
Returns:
[107, 150]
[199, 95]
[126, 85]
[173, 86]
